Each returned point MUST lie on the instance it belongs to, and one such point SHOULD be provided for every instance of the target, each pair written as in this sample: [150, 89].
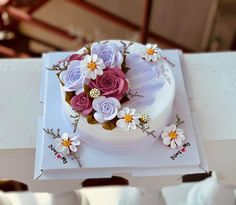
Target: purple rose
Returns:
[82, 103]
[72, 78]
[109, 53]
[112, 83]
[106, 108]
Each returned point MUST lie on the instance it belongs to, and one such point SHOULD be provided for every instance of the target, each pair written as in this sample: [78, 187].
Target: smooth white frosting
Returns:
[118, 140]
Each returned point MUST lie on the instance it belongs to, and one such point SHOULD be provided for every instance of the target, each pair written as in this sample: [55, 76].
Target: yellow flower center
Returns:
[128, 118]
[66, 143]
[150, 51]
[172, 135]
[92, 65]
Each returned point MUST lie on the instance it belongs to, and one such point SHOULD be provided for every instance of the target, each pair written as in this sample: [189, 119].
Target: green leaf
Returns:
[86, 89]
[109, 125]
[124, 99]
[68, 96]
[58, 75]
[124, 69]
[91, 119]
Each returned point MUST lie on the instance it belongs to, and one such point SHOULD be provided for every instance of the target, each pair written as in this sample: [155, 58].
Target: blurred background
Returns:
[30, 27]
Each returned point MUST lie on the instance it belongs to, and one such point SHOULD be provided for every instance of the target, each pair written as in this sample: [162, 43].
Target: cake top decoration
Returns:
[106, 82]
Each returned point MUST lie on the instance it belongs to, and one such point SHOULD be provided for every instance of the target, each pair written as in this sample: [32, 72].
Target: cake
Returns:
[117, 95]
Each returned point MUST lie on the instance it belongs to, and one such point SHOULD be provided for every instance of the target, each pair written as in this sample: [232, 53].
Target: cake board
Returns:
[155, 160]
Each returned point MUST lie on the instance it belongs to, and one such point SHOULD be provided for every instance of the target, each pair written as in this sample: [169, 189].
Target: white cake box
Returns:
[155, 160]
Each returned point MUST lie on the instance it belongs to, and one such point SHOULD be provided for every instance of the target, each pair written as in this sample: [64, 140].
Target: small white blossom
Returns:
[67, 144]
[95, 93]
[128, 119]
[92, 66]
[151, 53]
[173, 136]
[144, 117]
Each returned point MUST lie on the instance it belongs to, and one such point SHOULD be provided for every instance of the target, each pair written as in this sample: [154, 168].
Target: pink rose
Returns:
[82, 103]
[74, 57]
[112, 83]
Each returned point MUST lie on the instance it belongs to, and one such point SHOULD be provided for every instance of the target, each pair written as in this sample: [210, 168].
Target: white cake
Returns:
[156, 104]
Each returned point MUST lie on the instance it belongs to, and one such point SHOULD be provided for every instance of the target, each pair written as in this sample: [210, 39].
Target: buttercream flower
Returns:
[67, 143]
[72, 78]
[82, 103]
[173, 136]
[92, 66]
[112, 83]
[106, 108]
[128, 119]
[109, 53]
[151, 53]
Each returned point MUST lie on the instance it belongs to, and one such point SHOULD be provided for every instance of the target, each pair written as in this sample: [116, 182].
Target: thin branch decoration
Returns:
[169, 61]
[56, 134]
[52, 133]
[131, 95]
[179, 121]
[126, 46]
[146, 130]
[76, 118]
[61, 66]
[164, 72]
[76, 158]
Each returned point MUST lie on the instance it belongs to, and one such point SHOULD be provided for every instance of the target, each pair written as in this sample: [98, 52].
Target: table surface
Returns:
[210, 81]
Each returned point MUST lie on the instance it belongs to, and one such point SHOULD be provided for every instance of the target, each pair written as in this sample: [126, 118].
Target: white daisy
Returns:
[173, 136]
[67, 144]
[152, 53]
[128, 119]
[92, 66]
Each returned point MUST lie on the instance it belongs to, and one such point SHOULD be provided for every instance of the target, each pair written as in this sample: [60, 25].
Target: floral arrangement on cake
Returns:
[101, 79]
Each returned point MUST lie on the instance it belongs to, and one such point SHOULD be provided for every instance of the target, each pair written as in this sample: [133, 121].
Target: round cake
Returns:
[117, 95]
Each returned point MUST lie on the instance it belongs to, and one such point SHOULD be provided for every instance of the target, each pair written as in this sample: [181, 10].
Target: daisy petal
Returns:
[132, 111]
[166, 141]
[132, 126]
[58, 140]
[179, 131]
[76, 143]
[93, 75]
[126, 127]
[164, 135]
[121, 114]
[59, 147]
[99, 71]
[172, 144]
[94, 57]
[178, 142]
[121, 123]
[182, 137]
[172, 127]
[65, 150]
[87, 58]
[126, 110]
[73, 148]
[65, 136]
